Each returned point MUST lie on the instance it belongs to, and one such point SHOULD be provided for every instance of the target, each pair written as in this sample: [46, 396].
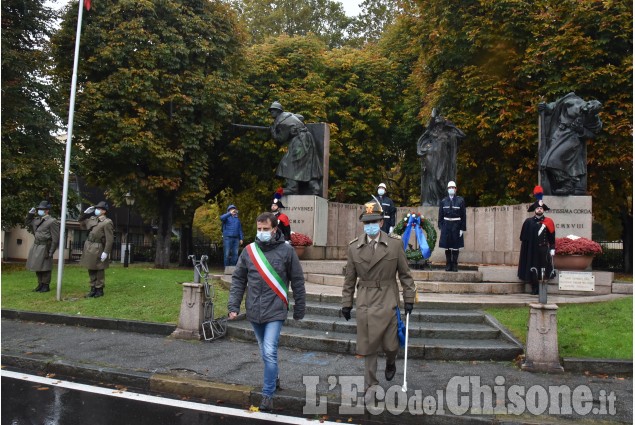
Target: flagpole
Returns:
[67, 162]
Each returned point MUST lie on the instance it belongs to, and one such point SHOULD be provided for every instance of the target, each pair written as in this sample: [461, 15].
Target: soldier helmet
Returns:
[372, 212]
[451, 184]
[381, 185]
[102, 205]
[44, 205]
[276, 105]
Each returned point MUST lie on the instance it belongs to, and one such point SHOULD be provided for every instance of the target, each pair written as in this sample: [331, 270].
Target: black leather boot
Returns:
[448, 260]
[92, 292]
[39, 286]
[44, 288]
[99, 292]
[455, 260]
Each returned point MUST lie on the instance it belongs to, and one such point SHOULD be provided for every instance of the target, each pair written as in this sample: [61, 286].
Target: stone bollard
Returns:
[192, 312]
[541, 354]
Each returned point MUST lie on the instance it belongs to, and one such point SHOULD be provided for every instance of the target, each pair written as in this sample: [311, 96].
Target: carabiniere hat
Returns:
[44, 205]
[372, 212]
[102, 205]
[537, 204]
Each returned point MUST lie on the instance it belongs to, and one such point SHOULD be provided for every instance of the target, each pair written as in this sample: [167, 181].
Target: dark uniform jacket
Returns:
[452, 219]
[377, 290]
[100, 239]
[47, 237]
[538, 237]
[389, 211]
[262, 304]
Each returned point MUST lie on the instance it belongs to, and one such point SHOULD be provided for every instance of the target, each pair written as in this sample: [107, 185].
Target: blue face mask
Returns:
[97, 213]
[40, 213]
[451, 192]
[263, 236]
[371, 229]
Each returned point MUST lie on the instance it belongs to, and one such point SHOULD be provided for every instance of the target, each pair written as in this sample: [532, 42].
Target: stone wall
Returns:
[492, 235]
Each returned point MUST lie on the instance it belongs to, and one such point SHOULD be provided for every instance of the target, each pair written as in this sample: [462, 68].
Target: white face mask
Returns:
[264, 236]
[40, 213]
[451, 192]
[97, 212]
[381, 192]
[371, 229]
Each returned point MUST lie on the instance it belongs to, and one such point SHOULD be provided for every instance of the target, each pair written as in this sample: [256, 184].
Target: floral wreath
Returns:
[418, 223]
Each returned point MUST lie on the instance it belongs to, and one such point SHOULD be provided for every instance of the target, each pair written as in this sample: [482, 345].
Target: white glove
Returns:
[287, 242]
[32, 210]
[552, 252]
[89, 210]
[460, 233]
[104, 256]
[391, 229]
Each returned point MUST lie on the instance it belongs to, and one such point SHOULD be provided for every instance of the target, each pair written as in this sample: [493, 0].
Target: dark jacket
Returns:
[535, 247]
[262, 304]
[452, 219]
[231, 226]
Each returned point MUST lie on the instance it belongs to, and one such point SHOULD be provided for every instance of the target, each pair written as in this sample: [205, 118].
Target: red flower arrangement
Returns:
[573, 245]
[300, 239]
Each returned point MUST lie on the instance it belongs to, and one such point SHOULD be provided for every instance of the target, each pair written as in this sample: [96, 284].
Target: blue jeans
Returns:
[230, 249]
[268, 335]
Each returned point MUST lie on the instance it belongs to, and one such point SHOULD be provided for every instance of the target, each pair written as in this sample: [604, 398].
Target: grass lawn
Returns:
[596, 330]
[138, 292]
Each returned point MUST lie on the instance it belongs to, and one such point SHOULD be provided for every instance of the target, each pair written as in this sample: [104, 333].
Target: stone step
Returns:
[466, 277]
[420, 348]
[470, 288]
[420, 329]
[327, 310]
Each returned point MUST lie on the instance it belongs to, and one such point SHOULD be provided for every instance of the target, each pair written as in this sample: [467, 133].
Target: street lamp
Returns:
[130, 202]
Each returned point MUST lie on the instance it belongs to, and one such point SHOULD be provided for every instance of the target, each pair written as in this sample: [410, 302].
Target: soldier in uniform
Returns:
[388, 206]
[452, 226]
[374, 259]
[283, 220]
[97, 246]
[47, 236]
[538, 245]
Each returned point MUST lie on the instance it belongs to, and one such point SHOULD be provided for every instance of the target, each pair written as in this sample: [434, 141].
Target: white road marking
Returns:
[113, 392]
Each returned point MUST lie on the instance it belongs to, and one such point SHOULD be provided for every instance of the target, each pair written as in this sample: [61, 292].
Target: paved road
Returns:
[29, 399]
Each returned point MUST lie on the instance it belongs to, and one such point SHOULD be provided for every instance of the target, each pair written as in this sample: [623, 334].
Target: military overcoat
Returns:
[377, 290]
[100, 239]
[47, 237]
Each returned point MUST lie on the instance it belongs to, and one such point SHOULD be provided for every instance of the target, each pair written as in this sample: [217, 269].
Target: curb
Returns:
[90, 322]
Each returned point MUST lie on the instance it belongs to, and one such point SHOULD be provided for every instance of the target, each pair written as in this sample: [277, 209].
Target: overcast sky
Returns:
[351, 7]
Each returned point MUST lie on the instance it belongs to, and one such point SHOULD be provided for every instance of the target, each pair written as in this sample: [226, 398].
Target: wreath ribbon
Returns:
[415, 222]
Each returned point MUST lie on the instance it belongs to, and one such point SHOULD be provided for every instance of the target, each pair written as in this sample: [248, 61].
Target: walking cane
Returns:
[404, 387]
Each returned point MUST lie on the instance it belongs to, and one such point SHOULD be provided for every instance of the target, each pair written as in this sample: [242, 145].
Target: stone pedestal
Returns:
[541, 354]
[192, 312]
[308, 214]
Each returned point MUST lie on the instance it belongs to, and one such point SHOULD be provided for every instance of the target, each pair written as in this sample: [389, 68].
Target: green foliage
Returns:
[154, 91]
[597, 330]
[487, 64]
[268, 18]
[31, 168]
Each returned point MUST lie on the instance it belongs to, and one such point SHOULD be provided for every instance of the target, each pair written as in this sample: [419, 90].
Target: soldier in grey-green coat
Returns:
[47, 237]
[97, 246]
[374, 260]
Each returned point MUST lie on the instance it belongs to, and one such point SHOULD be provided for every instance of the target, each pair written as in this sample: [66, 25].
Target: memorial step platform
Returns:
[435, 334]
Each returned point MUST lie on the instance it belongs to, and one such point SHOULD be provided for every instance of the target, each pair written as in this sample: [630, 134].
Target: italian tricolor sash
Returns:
[267, 272]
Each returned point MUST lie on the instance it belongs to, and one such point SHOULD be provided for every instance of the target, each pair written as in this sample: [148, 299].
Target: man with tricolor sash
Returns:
[265, 269]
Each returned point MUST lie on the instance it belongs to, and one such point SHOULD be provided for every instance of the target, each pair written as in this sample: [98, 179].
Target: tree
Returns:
[488, 64]
[271, 18]
[375, 17]
[154, 91]
[30, 152]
